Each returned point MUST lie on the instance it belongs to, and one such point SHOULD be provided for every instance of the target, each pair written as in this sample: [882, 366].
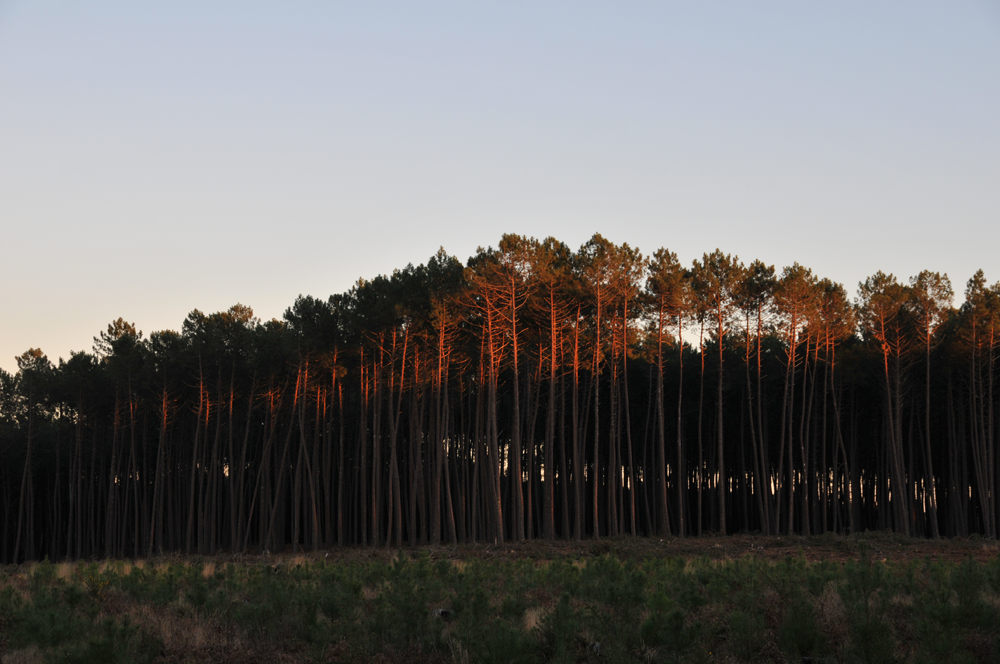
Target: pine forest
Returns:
[533, 392]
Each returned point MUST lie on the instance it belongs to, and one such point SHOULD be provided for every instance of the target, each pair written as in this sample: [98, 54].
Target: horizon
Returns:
[143, 333]
[161, 159]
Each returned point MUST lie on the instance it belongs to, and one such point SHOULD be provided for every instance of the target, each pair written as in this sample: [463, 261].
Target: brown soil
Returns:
[886, 547]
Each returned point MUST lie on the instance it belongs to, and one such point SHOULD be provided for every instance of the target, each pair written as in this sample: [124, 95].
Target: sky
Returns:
[159, 157]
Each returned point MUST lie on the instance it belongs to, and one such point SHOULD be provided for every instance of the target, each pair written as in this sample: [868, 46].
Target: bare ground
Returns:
[882, 546]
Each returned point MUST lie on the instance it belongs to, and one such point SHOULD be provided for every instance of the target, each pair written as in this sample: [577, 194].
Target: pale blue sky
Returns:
[157, 157]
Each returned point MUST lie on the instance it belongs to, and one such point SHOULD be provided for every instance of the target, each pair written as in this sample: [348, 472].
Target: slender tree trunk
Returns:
[194, 460]
[548, 493]
[681, 475]
[723, 484]
[701, 454]
[27, 490]
[595, 522]
[270, 539]
[578, 461]
[758, 469]
[664, 521]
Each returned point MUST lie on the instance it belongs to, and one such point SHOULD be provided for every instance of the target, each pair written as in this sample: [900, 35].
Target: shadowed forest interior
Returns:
[534, 392]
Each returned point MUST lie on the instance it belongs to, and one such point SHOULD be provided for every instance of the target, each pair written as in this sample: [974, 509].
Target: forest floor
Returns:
[883, 547]
[741, 598]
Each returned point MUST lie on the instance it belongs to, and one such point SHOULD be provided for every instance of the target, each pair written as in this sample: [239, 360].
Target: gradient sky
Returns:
[157, 157]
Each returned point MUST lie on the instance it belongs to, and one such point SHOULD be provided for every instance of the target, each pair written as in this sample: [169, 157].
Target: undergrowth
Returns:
[593, 609]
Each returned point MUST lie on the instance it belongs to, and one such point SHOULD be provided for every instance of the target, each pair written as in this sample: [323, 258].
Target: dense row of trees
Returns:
[534, 392]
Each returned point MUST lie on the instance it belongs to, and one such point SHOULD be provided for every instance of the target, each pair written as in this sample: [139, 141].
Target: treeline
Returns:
[535, 392]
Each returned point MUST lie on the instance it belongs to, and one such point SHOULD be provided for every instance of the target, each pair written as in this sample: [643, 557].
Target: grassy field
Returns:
[868, 598]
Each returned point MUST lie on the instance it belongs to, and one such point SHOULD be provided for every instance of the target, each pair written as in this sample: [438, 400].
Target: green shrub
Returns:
[668, 629]
[486, 636]
[865, 593]
[938, 626]
[800, 636]
[607, 581]
[115, 643]
[339, 594]
[968, 580]
[746, 634]
[45, 621]
[560, 632]
[402, 617]
[502, 643]
[563, 575]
